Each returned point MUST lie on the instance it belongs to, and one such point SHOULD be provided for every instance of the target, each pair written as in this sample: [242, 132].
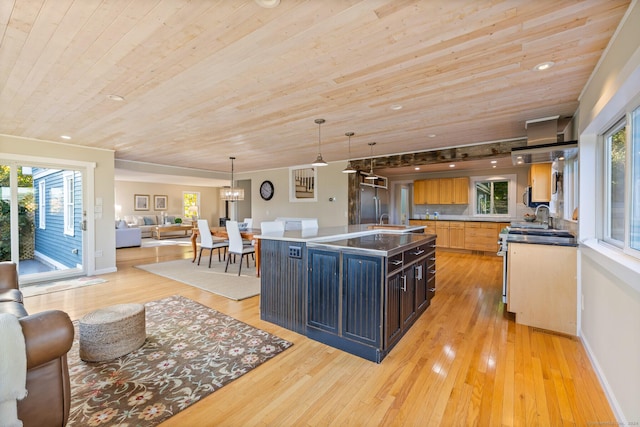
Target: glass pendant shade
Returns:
[231, 193]
[319, 161]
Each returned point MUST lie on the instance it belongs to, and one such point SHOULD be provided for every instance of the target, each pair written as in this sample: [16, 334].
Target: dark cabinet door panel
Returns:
[324, 290]
[362, 276]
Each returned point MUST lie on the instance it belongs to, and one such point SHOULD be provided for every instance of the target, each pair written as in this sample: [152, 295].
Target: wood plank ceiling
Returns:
[204, 80]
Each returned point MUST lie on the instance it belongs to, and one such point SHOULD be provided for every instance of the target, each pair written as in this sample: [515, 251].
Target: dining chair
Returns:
[272, 227]
[236, 247]
[207, 242]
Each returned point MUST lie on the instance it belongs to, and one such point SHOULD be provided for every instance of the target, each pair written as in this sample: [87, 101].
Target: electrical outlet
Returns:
[295, 252]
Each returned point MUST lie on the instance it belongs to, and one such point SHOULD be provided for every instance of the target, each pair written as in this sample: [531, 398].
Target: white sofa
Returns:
[128, 237]
[147, 222]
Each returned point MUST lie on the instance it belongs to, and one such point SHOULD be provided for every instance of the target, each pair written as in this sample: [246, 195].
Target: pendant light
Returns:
[372, 176]
[349, 168]
[232, 194]
[319, 161]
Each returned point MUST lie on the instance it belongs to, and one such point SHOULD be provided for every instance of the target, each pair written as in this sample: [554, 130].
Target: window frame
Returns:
[68, 180]
[185, 213]
[42, 205]
[606, 190]
[512, 189]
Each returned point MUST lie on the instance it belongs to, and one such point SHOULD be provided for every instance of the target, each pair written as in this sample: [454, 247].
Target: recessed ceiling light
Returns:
[115, 98]
[65, 137]
[544, 66]
[452, 165]
[396, 107]
[432, 135]
[268, 4]
[493, 162]
[417, 168]
[494, 166]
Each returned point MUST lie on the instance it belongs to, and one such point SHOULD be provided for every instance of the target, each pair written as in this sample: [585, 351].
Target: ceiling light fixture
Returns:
[319, 160]
[416, 168]
[452, 165]
[232, 194]
[493, 162]
[117, 98]
[349, 168]
[65, 137]
[268, 4]
[396, 107]
[372, 176]
[544, 66]
[432, 135]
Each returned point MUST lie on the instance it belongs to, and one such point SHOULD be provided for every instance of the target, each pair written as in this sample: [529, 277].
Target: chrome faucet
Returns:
[548, 214]
[382, 216]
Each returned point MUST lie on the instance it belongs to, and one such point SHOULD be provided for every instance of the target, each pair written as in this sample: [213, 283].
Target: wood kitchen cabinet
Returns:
[480, 236]
[442, 231]
[432, 192]
[540, 182]
[419, 192]
[456, 235]
[441, 191]
[542, 286]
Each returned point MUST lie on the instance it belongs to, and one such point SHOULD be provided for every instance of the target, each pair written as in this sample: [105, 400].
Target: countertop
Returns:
[364, 237]
[465, 219]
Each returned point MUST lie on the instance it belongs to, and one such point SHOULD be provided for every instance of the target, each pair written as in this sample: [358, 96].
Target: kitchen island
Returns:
[356, 288]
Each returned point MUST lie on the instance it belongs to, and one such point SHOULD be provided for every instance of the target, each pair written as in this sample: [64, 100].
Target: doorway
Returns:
[42, 220]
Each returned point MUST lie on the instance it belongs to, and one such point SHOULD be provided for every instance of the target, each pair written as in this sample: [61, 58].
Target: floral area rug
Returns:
[190, 352]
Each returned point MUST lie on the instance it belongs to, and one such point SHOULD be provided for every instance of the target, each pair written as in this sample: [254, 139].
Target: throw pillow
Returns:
[122, 224]
[171, 219]
[149, 221]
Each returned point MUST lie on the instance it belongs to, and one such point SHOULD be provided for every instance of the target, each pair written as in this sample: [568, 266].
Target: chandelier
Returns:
[232, 193]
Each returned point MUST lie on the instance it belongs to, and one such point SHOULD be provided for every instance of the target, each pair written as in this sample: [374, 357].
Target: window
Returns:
[621, 222]
[69, 204]
[634, 222]
[615, 155]
[42, 205]
[494, 196]
[191, 204]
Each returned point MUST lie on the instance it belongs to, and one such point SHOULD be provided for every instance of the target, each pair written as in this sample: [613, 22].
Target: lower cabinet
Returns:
[363, 304]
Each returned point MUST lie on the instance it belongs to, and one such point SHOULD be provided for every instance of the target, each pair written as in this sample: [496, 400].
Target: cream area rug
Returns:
[213, 279]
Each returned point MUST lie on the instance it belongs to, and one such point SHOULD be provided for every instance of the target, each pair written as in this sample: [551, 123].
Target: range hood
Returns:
[542, 143]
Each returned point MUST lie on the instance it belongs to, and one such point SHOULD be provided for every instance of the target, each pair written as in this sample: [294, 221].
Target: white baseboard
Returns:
[105, 271]
[611, 398]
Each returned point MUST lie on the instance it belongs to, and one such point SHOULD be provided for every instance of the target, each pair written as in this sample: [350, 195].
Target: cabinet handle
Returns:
[419, 272]
[398, 262]
[432, 271]
[418, 252]
[432, 258]
[432, 246]
[432, 289]
[404, 283]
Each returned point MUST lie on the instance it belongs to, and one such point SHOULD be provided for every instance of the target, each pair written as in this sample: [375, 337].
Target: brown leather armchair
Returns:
[48, 337]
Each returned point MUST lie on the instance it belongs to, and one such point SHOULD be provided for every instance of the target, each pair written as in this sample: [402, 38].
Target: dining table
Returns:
[248, 234]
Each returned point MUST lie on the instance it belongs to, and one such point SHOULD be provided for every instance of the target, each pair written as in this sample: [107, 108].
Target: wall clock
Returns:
[266, 190]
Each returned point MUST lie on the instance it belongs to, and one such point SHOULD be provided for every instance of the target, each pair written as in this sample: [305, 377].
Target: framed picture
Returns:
[141, 202]
[303, 184]
[160, 203]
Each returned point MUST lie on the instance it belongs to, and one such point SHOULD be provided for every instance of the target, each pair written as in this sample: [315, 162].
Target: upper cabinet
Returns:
[441, 191]
[540, 182]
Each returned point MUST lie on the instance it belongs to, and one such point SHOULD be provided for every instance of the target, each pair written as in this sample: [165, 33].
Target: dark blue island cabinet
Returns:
[363, 303]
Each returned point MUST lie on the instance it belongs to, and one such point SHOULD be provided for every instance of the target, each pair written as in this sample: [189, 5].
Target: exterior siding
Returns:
[51, 241]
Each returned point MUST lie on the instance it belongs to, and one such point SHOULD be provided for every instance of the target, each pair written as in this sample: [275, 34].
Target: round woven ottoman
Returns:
[112, 332]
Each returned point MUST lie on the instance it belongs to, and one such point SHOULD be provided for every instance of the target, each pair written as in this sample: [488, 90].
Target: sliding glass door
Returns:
[41, 221]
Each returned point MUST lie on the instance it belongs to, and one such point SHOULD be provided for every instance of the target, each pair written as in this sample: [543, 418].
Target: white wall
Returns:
[609, 280]
[101, 231]
[210, 203]
[331, 183]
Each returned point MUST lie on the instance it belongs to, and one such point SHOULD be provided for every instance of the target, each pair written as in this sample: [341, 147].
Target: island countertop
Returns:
[380, 243]
[340, 232]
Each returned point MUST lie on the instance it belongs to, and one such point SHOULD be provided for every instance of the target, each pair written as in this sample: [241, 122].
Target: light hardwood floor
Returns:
[463, 363]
